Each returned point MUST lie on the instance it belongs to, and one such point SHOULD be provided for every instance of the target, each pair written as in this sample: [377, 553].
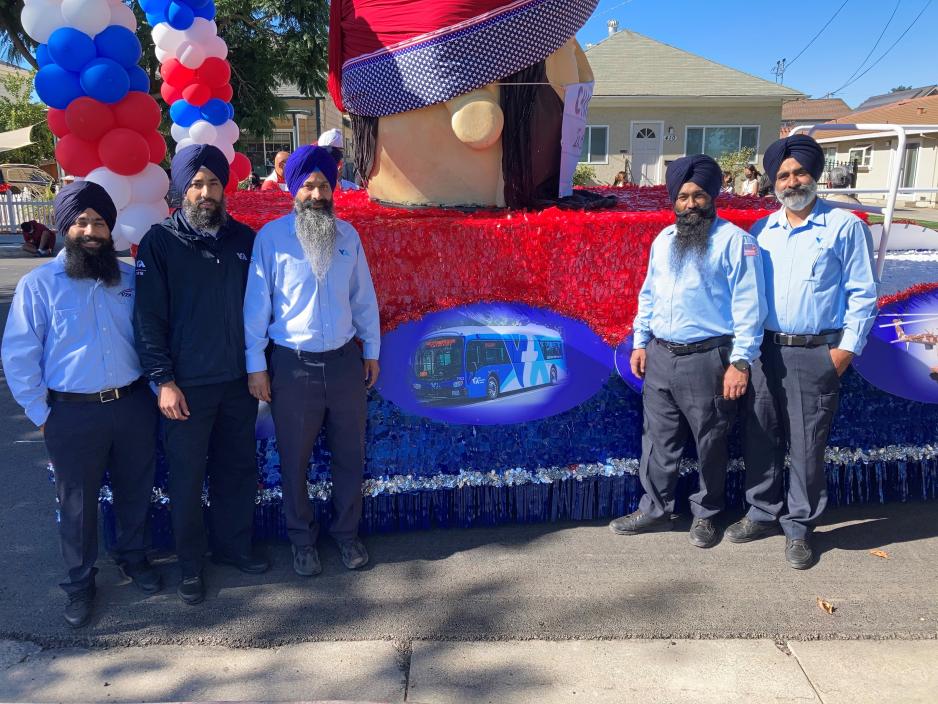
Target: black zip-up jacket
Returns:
[189, 303]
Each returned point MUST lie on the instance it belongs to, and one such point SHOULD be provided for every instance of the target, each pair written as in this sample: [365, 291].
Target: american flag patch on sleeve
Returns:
[750, 250]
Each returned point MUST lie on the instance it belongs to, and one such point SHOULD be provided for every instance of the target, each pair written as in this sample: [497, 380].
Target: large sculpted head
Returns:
[457, 102]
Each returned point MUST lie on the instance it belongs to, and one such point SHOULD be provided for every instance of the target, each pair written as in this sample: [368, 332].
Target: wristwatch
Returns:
[741, 364]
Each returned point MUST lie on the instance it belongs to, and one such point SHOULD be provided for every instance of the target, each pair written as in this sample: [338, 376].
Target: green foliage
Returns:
[584, 175]
[17, 110]
[899, 88]
[735, 162]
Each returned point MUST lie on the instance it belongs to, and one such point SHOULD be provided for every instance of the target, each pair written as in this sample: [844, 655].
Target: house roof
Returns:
[631, 64]
[877, 101]
[920, 111]
[820, 109]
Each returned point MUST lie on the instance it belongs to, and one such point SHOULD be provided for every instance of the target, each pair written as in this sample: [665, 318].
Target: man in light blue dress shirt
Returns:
[69, 359]
[310, 293]
[821, 291]
[697, 331]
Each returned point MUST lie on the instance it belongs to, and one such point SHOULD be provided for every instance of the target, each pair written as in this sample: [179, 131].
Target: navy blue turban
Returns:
[804, 149]
[188, 161]
[75, 198]
[700, 169]
[306, 160]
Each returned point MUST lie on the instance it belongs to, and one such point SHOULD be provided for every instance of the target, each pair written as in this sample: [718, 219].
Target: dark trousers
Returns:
[309, 391]
[217, 439]
[792, 402]
[84, 439]
[683, 395]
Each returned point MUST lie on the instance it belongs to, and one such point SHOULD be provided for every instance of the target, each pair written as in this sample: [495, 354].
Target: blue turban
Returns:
[306, 160]
[75, 198]
[804, 149]
[188, 161]
[700, 169]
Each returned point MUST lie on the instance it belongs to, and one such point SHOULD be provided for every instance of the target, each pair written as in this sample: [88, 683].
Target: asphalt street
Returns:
[549, 582]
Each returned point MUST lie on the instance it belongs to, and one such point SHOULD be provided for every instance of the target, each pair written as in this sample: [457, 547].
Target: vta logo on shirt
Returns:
[127, 292]
[141, 268]
[242, 256]
[344, 252]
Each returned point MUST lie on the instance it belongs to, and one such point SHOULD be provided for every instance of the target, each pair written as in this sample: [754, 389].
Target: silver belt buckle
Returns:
[109, 395]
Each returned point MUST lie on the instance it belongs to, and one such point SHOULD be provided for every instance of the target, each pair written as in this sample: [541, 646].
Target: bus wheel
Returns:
[491, 388]
[553, 374]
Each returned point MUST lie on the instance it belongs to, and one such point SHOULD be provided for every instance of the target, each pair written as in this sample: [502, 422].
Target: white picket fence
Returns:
[21, 207]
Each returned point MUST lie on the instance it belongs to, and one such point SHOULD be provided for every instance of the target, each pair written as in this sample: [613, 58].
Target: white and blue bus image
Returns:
[486, 362]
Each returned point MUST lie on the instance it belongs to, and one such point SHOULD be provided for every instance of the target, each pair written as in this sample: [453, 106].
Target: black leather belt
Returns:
[785, 339]
[691, 347]
[319, 357]
[105, 396]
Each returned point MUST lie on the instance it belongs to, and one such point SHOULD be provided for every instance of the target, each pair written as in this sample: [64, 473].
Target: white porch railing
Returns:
[21, 207]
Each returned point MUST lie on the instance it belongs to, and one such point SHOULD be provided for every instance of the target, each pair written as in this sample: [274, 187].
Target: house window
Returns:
[862, 155]
[595, 145]
[261, 152]
[717, 140]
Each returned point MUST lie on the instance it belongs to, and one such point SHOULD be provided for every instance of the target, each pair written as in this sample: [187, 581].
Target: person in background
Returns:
[751, 184]
[729, 185]
[275, 179]
[620, 179]
[37, 238]
[334, 143]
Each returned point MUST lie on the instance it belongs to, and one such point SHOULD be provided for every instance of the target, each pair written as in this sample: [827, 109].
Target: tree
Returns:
[17, 110]
[735, 162]
[15, 45]
[900, 88]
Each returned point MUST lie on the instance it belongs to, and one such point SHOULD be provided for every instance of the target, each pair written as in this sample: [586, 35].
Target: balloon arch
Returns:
[100, 107]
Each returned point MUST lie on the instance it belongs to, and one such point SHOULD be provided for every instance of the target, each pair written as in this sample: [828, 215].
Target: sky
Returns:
[753, 35]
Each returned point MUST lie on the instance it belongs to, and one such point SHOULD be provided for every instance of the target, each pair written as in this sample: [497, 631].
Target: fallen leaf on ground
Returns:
[825, 605]
[880, 553]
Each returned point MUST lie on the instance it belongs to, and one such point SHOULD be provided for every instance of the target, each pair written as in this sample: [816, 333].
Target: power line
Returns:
[878, 40]
[885, 53]
[820, 31]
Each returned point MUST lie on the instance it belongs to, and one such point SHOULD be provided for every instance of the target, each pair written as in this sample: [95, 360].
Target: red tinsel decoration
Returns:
[911, 292]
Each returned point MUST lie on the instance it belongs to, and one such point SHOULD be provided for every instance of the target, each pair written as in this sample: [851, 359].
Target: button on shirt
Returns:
[723, 294]
[286, 303]
[819, 276]
[68, 334]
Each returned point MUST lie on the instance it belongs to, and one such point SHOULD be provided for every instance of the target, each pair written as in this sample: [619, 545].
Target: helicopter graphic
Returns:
[928, 338]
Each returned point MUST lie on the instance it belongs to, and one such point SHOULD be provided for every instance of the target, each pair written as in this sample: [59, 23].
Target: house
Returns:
[653, 103]
[7, 69]
[874, 152]
[878, 101]
[811, 112]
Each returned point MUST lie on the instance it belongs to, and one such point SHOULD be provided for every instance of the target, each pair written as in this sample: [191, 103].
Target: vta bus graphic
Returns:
[483, 362]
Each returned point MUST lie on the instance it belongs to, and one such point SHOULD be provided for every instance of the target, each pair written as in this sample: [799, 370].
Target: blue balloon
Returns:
[120, 44]
[196, 4]
[105, 80]
[71, 49]
[230, 111]
[154, 7]
[207, 10]
[139, 80]
[215, 111]
[57, 87]
[179, 15]
[154, 18]
[184, 113]
[42, 56]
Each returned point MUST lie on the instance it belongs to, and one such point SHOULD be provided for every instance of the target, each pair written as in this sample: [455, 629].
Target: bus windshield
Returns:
[439, 358]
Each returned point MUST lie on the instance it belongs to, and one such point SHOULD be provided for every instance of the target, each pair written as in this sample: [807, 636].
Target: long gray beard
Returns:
[205, 220]
[316, 231]
[692, 238]
[798, 198]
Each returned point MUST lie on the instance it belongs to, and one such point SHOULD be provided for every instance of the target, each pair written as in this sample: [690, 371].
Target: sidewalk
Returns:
[698, 671]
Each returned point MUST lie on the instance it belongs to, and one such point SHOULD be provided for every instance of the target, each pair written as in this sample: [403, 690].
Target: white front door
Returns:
[646, 152]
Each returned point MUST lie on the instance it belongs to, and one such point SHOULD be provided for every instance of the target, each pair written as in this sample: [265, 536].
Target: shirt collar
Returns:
[817, 216]
[59, 263]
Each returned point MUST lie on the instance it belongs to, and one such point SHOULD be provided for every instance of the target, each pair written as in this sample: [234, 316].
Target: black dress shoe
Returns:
[79, 607]
[192, 590]
[353, 553]
[306, 560]
[143, 575]
[703, 533]
[638, 522]
[747, 530]
[799, 554]
[254, 562]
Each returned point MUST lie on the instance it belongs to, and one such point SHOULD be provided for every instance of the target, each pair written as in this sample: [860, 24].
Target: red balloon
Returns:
[88, 118]
[77, 156]
[223, 92]
[57, 124]
[124, 151]
[241, 166]
[157, 146]
[231, 187]
[137, 111]
[176, 74]
[197, 93]
[214, 71]
[170, 93]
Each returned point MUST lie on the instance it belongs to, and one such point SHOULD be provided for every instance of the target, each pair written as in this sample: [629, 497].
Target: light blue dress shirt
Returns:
[284, 301]
[722, 295]
[819, 275]
[68, 334]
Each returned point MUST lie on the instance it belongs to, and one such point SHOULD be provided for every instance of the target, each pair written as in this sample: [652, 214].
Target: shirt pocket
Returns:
[824, 269]
[65, 321]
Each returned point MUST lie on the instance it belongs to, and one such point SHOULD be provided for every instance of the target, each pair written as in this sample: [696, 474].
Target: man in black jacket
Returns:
[188, 323]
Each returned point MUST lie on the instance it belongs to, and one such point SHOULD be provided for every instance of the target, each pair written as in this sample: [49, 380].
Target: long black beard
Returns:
[316, 231]
[693, 236]
[102, 263]
[210, 220]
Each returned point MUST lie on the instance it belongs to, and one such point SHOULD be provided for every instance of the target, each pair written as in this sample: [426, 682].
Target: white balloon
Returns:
[178, 132]
[202, 30]
[117, 186]
[166, 38]
[40, 18]
[203, 132]
[227, 150]
[134, 220]
[88, 16]
[123, 16]
[228, 132]
[162, 55]
[215, 46]
[149, 185]
[183, 143]
[190, 55]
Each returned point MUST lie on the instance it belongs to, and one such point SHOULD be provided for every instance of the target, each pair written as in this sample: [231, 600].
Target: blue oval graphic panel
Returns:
[624, 366]
[492, 364]
[901, 353]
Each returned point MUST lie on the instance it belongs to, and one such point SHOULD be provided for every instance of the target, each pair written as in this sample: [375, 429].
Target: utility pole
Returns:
[779, 71]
